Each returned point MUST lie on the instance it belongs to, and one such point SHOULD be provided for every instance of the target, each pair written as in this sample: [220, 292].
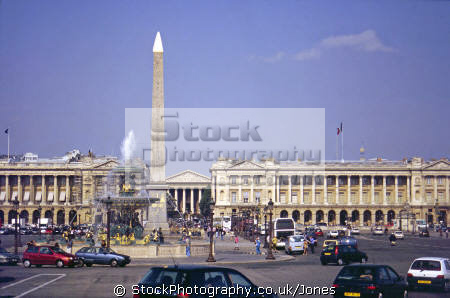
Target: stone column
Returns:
[349, 190]
[252, 199]
[277, 188]
[19, 189]
[302, 197]
[372, 189]
[447, 190]
[289, 199]
[384, 190]
[176, 199]
[8, 194]
[192, 201]
[361, 201]
[408, 188]
[68, 189]
[239, 198]
[313, 190]
[213, 188]
[32, 197]
[43, 191]
[337, 191]
[435, 189]
[56, 190]
[183, 210]
[325, 191]
[396, 190]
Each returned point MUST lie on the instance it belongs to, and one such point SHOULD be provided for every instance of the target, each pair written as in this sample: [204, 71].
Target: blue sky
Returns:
[68, 69]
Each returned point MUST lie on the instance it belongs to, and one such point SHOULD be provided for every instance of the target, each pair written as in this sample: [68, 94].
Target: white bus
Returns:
[226, 223]
[282, 229]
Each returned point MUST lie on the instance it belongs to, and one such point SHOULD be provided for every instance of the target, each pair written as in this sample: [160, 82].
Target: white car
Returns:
[332, 234]
[378, 231]
[429, 272]
[355, 231]
[294, 244]
[399, 235]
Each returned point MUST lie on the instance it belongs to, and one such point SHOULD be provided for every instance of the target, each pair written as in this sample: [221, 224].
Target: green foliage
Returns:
[205, 202]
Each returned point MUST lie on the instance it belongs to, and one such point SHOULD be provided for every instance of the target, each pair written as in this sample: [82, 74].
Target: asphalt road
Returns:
[99, 281]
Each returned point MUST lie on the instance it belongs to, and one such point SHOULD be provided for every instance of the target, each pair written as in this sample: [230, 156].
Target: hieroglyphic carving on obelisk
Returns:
[158, 153]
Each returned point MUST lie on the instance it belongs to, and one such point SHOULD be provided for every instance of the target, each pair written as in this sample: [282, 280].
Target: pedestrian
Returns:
[188, 246]
[161, 236]
[313, 241]
[440, 232]
[236, 242]
[103, 243]
[258, 246]
[305, 246]
[222, 233]
[446, 233]
[69, 246]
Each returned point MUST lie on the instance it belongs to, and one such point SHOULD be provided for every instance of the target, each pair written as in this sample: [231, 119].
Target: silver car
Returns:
[294, 244]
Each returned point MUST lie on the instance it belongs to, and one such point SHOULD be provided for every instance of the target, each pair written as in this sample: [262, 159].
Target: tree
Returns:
[205, 202]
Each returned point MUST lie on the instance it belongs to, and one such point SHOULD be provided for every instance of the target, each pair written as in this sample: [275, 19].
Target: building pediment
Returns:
[109, 164]
[438, 165]
[246, 165]
[188, 176]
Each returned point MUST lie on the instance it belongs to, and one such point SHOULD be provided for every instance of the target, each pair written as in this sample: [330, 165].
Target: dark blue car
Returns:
[102, 256]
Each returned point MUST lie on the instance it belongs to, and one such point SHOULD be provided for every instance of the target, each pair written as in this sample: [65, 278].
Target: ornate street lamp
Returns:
[211, 211]
[39, 220]
[265, 226]
[16, 208]
[108, 221]
[269, 254]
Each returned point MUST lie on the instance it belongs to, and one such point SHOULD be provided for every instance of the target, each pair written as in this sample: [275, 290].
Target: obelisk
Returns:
[157, 186]
[157, 152]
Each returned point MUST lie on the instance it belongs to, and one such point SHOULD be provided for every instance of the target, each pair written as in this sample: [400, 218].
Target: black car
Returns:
[8, 258]
[342, 254]
[102, 256]
[369, 281]
[197, 278]
[424, 233]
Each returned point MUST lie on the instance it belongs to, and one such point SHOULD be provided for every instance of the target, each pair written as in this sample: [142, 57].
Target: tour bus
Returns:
[226, 223]
[282, 229]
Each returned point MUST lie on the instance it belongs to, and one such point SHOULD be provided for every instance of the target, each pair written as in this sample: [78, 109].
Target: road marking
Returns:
[43, 285]
[20, 281]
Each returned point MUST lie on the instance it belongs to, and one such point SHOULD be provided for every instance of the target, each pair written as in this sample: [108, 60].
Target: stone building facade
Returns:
[360, 192]
[63, 188]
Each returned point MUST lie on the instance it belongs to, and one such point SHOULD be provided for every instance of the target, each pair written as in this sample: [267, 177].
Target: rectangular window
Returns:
[245, 196]
[233, 180]
[428, 196]
[429, 180]
[233, 197]
[283, 198]
[258, 197]
[257, 180]
[294, 197]
[440, 196]
[440, 181]
[388, 194]
[245, 179]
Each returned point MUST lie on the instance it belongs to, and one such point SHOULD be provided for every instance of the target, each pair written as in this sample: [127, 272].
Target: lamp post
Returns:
[265, 227]
[53, 211]
[39, 220]
[16, 208]
[108, 221]
[211, 211]
[269, 253]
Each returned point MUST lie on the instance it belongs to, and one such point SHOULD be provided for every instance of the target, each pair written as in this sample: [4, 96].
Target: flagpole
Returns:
[337, 147]
[8, 146]
[342, 144]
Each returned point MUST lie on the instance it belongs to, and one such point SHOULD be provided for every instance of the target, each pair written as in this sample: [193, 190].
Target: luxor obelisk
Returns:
[157, 185]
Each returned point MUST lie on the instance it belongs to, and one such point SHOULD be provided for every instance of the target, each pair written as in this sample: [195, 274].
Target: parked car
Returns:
[369, 281]
[399, 235]
[342, 254]
[378, 231]
[429, 272]
[294, 244]
[8, 258]
[341, 233]
[424, 233]
[102, 256]
[354, 231]
[196, 276]
[332, 234]
[48, 255]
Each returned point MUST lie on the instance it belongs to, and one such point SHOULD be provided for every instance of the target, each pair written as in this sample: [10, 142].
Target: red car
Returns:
[318, 233]
[48, 255]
